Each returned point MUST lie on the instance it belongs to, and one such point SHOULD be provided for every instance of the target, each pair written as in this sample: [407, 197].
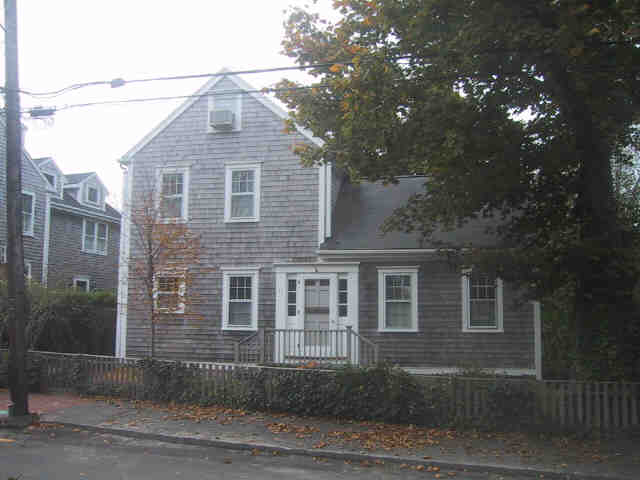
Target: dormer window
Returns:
[93, 195]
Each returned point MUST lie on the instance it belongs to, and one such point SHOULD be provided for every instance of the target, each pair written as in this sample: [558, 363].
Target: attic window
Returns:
[225, 112]
[93, 195]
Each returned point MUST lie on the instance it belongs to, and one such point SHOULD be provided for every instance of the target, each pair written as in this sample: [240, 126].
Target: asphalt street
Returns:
[66, 454]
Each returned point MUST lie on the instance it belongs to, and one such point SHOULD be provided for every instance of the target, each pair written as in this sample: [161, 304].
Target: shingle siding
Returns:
[440, 341]
[287, 228]
[67, 260]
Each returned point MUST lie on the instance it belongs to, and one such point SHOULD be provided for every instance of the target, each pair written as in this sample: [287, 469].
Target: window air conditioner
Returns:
[221, 119]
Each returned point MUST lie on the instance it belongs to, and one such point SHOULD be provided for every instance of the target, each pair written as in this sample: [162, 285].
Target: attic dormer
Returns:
[52, 174]
[86, 189]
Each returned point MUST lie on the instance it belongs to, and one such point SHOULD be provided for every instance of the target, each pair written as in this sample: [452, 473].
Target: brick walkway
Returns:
[44, 403]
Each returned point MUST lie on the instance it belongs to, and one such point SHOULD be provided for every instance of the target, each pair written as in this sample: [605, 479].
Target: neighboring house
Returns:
[84, 231]
[35, 190]
[298, 248]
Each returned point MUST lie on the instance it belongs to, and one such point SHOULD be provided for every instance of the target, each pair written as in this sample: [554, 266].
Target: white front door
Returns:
[318, 308]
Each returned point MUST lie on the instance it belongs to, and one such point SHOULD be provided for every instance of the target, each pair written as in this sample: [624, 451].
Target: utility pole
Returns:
[18, 307]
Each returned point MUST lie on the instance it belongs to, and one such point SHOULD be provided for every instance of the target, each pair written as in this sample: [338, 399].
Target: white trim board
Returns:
[243, 85]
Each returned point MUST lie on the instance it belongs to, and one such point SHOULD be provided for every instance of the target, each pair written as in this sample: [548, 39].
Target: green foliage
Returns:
[512, 110]
[69, 321]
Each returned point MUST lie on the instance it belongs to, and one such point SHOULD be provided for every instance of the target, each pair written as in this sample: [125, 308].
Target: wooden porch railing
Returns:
[272, 345]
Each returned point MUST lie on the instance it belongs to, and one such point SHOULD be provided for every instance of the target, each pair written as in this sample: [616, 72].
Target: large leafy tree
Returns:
[512, 108]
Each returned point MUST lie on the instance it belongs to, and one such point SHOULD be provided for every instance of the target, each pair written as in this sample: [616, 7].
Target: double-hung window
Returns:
[28, 212]
[95, 237]
[93, 195]
[81, 283]
[398, 299]
[242, 193]
[482, 309]
[169, 293]
[3, 254]
[173, 200]
[240, 299]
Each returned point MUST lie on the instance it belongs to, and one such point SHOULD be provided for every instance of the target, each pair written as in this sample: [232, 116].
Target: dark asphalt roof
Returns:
[69, 201]
[77, 177]
[362, 208]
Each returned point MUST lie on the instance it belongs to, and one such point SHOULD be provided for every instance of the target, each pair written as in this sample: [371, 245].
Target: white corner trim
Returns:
[537, 331]
[123, 266]
[329, 201]
[322, 203]
[46, 240]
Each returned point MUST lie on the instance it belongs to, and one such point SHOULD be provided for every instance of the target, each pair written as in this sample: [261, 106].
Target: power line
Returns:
[47, 111]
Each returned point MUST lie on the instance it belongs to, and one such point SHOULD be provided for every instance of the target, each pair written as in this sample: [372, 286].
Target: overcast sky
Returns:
[64, 42]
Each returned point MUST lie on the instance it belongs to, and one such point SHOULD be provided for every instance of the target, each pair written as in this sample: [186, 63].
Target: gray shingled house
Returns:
[83, 244]
[294, 267]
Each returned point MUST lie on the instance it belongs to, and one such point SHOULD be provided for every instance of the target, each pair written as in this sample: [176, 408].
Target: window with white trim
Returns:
[398, 299]
[95, 237]
[240, 299]
[482, 305]
[343, 297]
[173, 185]
[28, 212]
[3, 254]
[242, 193]
[82, 283]
[169, 292]
[225, 112]
[27, 271]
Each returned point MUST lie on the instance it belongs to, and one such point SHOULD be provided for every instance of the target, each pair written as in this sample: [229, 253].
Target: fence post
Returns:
[349, 359]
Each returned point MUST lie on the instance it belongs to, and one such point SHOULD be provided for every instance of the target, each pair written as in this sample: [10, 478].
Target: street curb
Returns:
[338, 455]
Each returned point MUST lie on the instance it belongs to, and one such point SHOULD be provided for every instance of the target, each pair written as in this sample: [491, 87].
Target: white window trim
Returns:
[82, 278]
[27, 271]
[237, 121]
[94, 250]
[29, 231]
[185, 192]
[227, 273]
[412, 271]
[257, 174]
[182, 291]
[466, 306]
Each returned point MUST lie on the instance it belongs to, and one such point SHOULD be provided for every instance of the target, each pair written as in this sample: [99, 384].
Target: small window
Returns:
[225, 112]
[169, 293]
[292, 292]
[482, 302]
[81, 283]
[240, 302]
[3, 254]
[93, 195]
[397, 299]
[242, 193]
[51, 178]
[28, 212]
[173, 189]
[342, 297]
[95, 237]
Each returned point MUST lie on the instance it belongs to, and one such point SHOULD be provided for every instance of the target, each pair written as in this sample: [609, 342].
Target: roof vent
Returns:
[221, 119]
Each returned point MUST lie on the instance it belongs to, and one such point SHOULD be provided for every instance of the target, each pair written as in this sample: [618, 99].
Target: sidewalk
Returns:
[553, 457]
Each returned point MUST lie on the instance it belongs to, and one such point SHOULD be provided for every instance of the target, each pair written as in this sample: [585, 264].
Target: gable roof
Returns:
[362, 208]
[75, 178]
[242, 85]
